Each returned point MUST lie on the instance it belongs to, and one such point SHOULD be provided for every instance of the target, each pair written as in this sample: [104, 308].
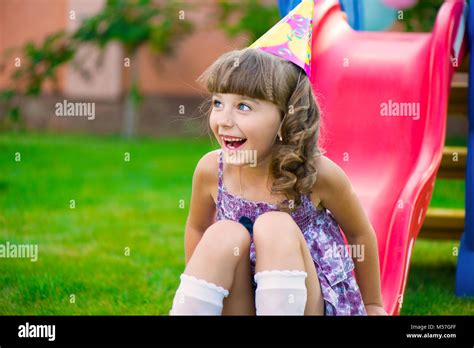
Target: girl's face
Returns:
[243, 123]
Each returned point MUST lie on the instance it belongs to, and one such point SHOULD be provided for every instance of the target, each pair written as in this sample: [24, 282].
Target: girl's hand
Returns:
[375, 310]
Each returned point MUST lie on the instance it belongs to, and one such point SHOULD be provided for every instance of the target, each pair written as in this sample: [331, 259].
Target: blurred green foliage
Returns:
[422, 16]
[133, 23]
[251, 17]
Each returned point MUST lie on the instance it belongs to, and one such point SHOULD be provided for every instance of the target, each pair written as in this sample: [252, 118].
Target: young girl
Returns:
[262, 236]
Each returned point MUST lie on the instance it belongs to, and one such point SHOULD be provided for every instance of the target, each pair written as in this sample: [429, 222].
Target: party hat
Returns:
[290, 38]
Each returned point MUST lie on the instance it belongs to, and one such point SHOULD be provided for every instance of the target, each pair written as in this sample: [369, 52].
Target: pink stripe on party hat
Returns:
[290, 38]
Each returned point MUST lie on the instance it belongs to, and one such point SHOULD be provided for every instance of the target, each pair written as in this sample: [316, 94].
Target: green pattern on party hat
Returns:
[290, 38]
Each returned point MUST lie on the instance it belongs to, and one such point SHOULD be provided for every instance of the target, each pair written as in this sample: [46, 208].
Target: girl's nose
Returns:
[226, 119]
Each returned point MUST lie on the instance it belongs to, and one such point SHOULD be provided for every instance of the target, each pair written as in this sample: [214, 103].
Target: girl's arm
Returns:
[337, 194]
[202, 208]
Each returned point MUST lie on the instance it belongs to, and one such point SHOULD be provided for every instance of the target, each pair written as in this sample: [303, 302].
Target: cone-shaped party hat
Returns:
[290, 38]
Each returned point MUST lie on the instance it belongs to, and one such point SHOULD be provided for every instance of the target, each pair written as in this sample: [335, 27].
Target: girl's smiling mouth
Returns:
[231, 142]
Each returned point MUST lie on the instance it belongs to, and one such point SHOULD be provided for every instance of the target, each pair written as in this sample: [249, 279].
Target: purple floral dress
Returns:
[335, 269]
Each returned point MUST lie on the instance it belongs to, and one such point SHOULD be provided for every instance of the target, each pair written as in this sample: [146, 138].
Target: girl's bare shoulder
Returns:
[206, 172]
[331, 178]
[326, 169]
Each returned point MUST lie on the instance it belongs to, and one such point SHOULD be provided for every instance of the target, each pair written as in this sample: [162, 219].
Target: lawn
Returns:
[110, 231]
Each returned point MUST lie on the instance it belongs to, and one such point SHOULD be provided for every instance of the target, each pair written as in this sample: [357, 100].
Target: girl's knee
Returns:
[227, 235]
[273, 218]
[276, 226]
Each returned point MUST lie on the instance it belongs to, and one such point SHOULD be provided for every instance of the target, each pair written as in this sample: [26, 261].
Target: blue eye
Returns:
[242, 104]
[214, 102]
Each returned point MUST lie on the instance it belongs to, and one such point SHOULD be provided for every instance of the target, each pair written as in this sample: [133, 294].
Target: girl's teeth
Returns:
[234, 143]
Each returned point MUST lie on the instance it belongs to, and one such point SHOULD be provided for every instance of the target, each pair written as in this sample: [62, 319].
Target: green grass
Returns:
[119, 204]
[431, 280]
[134, 205]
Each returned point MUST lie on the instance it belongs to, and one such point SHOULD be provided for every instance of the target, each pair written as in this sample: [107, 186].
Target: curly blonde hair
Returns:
[257, 74]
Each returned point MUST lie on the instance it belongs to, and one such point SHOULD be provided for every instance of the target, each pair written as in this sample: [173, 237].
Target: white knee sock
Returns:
[198, 297]
[280, 292]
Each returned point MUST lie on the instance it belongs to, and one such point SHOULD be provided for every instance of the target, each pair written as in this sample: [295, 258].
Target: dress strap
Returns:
[310, 204]
[221, 169]
[219, 183]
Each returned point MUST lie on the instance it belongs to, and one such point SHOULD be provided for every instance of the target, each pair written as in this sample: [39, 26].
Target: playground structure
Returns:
[465, 268]
[392, 160]
[384, 99]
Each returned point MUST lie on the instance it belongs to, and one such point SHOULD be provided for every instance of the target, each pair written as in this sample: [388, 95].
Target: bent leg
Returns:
[241, 300]
[210, 271]
[218, 253]
[280, 245]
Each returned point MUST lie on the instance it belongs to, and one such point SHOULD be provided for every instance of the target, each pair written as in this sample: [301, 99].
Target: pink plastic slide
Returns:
[384, 98]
